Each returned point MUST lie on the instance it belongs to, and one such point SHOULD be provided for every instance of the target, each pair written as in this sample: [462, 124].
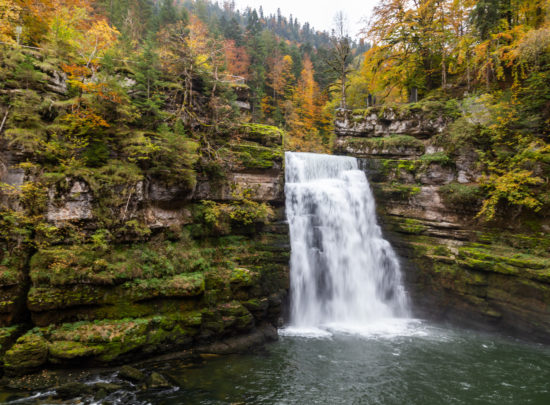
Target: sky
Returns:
[319, 13]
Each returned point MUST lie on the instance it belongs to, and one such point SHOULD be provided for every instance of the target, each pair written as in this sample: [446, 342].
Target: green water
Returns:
[422, 365]
[419, 364]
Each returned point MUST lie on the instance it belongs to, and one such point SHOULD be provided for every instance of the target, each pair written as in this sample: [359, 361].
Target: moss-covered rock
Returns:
[182, 286]
[60, 351]
[157, 381]
[253, 156]
[131, 374]
[30, 351]
[241, 277]
[265, 135]
[8, 336]
[412, 226]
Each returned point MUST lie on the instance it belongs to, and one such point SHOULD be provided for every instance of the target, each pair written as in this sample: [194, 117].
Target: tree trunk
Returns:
[343, 103]
[443, 72]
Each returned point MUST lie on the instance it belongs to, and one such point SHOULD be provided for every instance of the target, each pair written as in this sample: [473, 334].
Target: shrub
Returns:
[461, 196]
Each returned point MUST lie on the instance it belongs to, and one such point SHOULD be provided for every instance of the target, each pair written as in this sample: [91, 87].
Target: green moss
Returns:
[52, 298]
[67, 350]
[29, 351]
[256, 305]
[461, 196]
[535, 244]
[108, 340]
[439, 158]
[8, 335]
[428, 108]
[85, 264]
[162, 277]
[266, 135]
[234, 314]
[504, 260]
[254, 156]
[411, 226]
[183, 285]
[398, 191]
[9, 276]
[241, 277]
[441, 251]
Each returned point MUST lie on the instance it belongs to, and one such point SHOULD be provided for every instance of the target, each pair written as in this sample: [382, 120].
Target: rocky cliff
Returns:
[190, 266]
[458, 268]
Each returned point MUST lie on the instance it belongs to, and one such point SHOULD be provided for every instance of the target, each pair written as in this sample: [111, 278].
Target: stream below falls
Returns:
[403, 363]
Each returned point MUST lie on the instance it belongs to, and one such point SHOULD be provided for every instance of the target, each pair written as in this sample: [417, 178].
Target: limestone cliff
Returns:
[191, 265]
[457, 268]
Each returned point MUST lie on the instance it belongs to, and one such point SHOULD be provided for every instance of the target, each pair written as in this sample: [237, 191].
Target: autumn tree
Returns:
[236, 59]
[9, 15]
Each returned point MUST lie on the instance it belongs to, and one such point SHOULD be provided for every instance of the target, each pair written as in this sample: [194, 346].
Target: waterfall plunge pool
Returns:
[410, 362]
[405, 363]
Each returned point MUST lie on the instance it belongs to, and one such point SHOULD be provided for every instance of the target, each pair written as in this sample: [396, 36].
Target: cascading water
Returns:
[343, 272]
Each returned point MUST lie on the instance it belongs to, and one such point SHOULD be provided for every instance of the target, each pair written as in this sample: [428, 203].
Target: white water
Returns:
[344, 275]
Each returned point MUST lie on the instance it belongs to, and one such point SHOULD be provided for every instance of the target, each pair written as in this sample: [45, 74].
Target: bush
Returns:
[461, 196]
[440, 158]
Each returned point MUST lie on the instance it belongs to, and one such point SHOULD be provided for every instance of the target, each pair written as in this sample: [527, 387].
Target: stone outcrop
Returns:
[173, 279]
[456, 267]
[383, 121]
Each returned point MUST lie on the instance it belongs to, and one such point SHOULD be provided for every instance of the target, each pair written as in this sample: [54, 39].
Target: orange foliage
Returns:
[307, 116]
[38, 14]
[236, 59]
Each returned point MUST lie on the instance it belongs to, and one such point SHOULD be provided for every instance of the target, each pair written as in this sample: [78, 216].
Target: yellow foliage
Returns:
[9, 16]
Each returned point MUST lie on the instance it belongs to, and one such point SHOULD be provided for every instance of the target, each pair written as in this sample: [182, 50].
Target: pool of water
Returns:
[408, 362]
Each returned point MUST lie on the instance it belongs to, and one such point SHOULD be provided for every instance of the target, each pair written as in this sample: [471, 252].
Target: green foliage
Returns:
[440, 158]
[462, 196]
[512, 187]
[174, 157]
[463, 133]
[241, 213]
[254, 156]
[266, 135]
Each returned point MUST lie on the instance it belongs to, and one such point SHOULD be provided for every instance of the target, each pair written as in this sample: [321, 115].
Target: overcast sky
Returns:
[319, 13]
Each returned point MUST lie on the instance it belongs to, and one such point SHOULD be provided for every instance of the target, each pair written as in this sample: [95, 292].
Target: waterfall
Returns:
[343, 272]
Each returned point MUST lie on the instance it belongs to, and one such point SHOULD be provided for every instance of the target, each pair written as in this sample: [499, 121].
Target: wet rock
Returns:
[131, 374]
[73, 390]
[157, 381]
[107, 387]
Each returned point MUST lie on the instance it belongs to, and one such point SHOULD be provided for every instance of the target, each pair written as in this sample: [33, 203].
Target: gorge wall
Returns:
[457, 267]
[193, 267]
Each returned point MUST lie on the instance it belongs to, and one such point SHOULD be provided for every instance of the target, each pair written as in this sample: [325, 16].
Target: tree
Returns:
[9, 14]
[147, 95]
[280, 76]
[236, 59]
[340, 54]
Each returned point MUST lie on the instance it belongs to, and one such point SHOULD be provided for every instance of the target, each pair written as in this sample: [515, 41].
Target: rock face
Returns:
[381, 121]
[192, 267]
[456, 268]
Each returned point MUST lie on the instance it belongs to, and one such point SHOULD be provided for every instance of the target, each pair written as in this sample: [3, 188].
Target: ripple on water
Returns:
[413, 363]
